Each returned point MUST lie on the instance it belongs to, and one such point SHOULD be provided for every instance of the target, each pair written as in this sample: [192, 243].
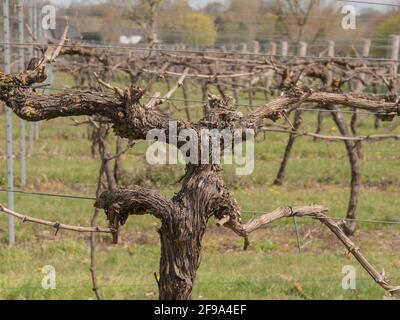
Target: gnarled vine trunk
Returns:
[180, 259]
[181, 235]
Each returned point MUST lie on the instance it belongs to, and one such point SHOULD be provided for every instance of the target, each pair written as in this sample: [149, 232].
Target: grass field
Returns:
[318, 172]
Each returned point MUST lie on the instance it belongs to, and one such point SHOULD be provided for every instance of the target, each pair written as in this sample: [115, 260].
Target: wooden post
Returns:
[186, 102]
[365, 54]
[302, 49]
[272, 48]
[366, 48]
[284, 48]
[253, 80]
[271, 73]
[331, 48]
[256, 47]
[394, 53]
[359, 88]
[330, 53]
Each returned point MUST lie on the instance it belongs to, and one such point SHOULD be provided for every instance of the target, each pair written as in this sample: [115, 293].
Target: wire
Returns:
[48, 194]
[242, 211]
[203, 52]
[372, 3]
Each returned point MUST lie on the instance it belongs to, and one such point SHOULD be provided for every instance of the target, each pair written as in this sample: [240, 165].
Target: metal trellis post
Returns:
[10, 173]
[36, 33]
[22, 149]
[31, 24]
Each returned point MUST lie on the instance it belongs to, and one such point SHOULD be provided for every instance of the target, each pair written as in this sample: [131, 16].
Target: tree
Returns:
[199, 30]
[144, 14]
[240, 22]
[388, 26]
[98, 19]
[172, 19]
[214, 8]
[302, 20]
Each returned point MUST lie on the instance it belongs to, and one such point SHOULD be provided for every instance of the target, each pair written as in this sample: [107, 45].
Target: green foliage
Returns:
[389, 26]
[199, 29]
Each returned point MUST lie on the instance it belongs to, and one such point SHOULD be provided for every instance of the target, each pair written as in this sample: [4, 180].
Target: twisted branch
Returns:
[56, 225]
[315, 212]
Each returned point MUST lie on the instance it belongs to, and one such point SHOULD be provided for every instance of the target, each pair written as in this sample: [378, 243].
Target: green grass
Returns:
[126, 272]
[318, 172]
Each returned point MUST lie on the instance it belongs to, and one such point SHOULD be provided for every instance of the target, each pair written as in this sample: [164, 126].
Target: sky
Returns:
[201, 3]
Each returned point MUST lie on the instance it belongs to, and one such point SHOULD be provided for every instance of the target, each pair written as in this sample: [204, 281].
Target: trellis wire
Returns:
[371, 3]
[239, 53]
[75, 197]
